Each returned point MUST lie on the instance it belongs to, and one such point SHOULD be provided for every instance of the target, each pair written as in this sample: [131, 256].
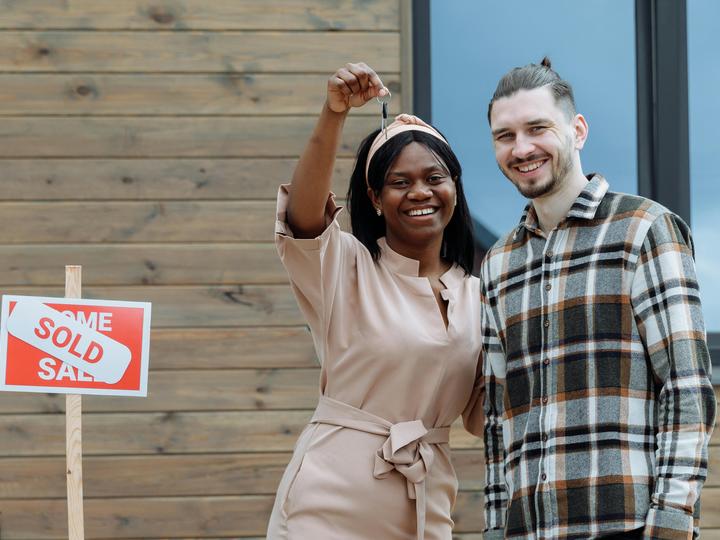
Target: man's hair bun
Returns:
[546, 62]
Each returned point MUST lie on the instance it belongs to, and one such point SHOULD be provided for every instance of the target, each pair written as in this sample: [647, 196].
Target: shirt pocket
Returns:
[292, 472]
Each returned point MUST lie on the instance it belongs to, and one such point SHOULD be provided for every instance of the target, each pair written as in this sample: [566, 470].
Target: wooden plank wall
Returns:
[144, 140]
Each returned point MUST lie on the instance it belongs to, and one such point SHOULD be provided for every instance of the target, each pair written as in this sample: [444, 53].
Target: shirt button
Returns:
[544, 437]
[543, 477]
[548, 286]
[544, 400]
[549, 255]
[546, 323]
[546, 361]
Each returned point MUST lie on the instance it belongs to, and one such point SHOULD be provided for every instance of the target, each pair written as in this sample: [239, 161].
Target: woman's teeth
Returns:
[423, 212]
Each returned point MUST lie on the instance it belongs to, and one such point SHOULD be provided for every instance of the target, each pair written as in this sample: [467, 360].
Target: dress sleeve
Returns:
[473, 416]
[666, 305]
[314, 265]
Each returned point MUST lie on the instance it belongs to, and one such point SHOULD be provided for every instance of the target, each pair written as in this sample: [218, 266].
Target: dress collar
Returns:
[405, 266]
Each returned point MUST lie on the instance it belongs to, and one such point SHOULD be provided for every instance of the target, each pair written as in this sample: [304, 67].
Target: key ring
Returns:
[383, 101]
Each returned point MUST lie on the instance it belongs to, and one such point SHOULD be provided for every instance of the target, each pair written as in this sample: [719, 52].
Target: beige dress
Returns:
[374, 462]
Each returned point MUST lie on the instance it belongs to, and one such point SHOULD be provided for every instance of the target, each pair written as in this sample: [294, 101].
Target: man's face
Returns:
[535, 142]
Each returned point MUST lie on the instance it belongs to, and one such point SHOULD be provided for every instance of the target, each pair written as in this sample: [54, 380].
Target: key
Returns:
[384, 100]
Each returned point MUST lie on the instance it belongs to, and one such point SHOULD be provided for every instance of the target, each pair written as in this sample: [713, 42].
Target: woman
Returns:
[394, 314]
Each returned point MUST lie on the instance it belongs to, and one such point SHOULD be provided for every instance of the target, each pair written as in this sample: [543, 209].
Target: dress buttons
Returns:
[543, 477]
[548, 286]
[544, 400]
[546, 323]
[546, 361]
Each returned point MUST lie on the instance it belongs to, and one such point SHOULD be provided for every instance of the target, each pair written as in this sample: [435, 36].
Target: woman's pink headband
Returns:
[402, 123]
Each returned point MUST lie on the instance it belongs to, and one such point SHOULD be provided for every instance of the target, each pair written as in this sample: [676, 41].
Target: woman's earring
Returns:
[378, 211]
[455, 201]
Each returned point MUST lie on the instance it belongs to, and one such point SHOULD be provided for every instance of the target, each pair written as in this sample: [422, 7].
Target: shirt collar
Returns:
[411, 267]
[584, 206]
[590, 198]
[396, 262]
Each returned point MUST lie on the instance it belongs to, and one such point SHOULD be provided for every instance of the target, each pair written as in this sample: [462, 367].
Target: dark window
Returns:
[704, 119]
[644, 77]
[474, 43]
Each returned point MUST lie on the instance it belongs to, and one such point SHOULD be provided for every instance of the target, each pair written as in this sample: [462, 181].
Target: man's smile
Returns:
[528, 167]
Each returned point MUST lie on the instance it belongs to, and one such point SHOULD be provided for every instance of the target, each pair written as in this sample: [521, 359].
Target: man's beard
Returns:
[558, 174]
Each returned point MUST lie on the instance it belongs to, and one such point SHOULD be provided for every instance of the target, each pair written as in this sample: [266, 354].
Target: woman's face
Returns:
[418, 198]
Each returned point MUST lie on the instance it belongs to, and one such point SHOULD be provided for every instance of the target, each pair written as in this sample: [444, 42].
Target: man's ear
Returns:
[581, 128]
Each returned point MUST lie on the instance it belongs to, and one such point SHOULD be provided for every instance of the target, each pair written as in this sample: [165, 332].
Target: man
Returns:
[598, 402]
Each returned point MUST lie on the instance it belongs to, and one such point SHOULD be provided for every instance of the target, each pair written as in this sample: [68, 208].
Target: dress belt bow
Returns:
[407, 447]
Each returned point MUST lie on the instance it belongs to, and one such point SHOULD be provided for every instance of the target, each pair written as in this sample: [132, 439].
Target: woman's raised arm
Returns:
[350, 86]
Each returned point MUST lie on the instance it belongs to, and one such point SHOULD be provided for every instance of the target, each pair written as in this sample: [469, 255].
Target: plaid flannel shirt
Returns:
[598, 402]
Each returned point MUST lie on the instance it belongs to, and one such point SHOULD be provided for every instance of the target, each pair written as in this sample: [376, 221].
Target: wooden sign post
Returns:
[74, 346]
[73, 432]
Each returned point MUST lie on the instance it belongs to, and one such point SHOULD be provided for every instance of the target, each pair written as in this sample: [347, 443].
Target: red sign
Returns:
[74, 346]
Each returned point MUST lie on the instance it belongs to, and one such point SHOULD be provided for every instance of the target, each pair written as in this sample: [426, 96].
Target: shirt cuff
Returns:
[283, 230]
[668, 525]
[494, 534]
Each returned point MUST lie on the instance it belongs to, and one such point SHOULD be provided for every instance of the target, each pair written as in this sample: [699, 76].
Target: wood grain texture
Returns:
[375, 15]
[163, 52]
[114, 222]
[146, 476]
[223, 94]
[155, 433]
[227, 348]
[233, 516]
[216, 348]
[193, 390]
[169, 137]
[210, 349]
[146, 264]
[172, 476]
[73, 432]
[129, 221]
[170, 433]
[194, 306]
[153, 179]
[74, 468]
